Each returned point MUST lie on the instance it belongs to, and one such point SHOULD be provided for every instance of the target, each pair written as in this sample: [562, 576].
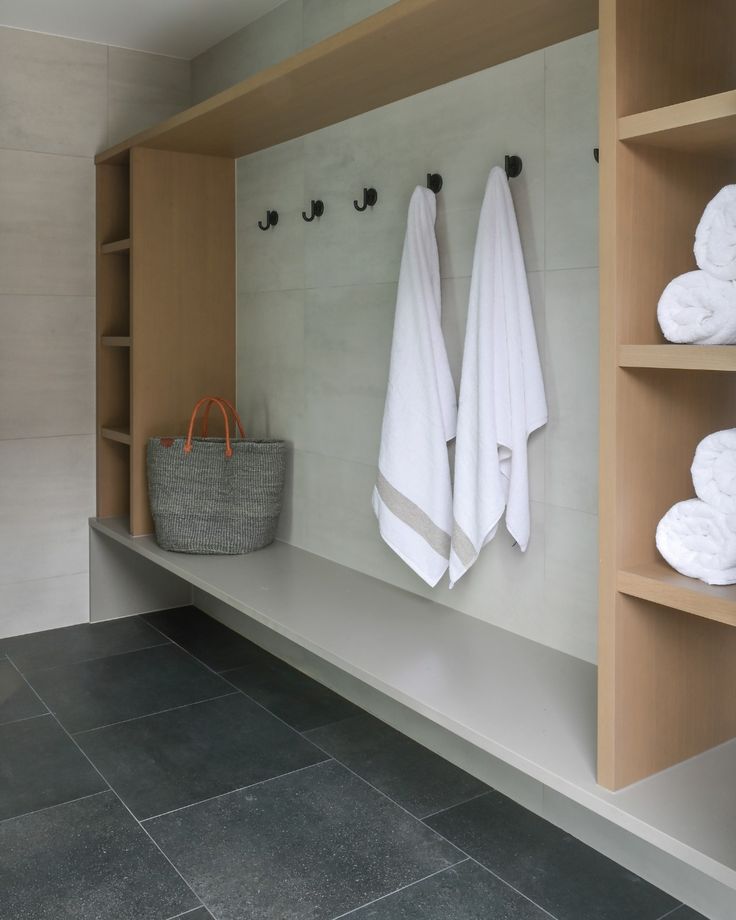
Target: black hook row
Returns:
[512, 165]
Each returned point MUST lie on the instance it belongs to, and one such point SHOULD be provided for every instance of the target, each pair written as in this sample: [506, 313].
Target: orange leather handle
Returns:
[230, 406]
[209, 400]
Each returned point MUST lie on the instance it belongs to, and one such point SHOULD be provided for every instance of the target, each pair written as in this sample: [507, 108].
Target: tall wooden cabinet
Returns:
[667, 658]
[165, 309]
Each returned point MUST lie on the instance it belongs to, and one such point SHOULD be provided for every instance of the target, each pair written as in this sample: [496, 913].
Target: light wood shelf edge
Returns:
[679, 357]
[658, 583]
[116, 246]
[709, 121]
[114, 433]
[406, 48]
[115, 341]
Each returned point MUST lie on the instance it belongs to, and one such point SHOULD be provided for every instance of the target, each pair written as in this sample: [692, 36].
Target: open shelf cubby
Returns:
[119, 433]
[117, 246]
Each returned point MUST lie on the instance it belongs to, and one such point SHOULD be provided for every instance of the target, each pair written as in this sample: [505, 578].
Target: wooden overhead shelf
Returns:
[116, 341]
[658, 583]
[409, 47]
[119, 434]
[679, 357]
[117, 246]
[707, 125]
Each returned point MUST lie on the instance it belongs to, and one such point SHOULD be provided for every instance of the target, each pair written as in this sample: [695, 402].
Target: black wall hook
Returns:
[513, 165]
[318, 209]
[597, 154]
[272, 218]
[434, 182]
[370, 197]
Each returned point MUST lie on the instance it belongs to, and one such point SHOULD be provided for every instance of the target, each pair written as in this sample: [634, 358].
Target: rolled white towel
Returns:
[714, 470]
[698, 309]
[699, 541]
[715, 238]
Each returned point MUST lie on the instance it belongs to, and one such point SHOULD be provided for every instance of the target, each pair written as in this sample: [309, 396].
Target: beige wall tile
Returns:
[53, 93]
[46, 224]
[47, 494]
[144, 89]
[572, 172]
[323, 18]
[571, 378]
[46, 366]
[44, 603]
[268, 40]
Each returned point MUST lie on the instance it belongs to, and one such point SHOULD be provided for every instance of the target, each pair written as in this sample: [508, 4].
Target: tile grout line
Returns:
[25, 719]
[187, 912]
[37, 811]
[472, 798]
[670, 912]
[221, 795]
[390, 894]
[365, 781]
[111, 790]
[71, 664]
[158, 712]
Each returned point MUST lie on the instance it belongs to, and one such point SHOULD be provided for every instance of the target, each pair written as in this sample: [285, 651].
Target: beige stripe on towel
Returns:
[413, 516]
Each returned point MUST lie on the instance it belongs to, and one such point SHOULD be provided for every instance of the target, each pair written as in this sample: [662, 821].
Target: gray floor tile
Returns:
[17, 700]
[40, 766]
[173, 759]
[563, 875]
[407, 772]
[72, 644]
[292, 696]
[85, 860]
[217, 646]
[466, 892]
[311, 845]
[95, 693]
[201, 914]
[686, 913]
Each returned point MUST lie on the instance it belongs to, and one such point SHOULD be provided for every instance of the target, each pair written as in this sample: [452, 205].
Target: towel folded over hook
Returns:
[502, 399]
[412, 498]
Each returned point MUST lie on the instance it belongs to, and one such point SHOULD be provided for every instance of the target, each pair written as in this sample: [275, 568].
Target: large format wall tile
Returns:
[53, 93]
[571, 583]
[572, 172]
[144, 89]
[47, 495]
[270, 370]
[572, 389]
[323, 18]
[346, 359]
[46, 224]
[44, 603]
[263, 43]
[46, 366]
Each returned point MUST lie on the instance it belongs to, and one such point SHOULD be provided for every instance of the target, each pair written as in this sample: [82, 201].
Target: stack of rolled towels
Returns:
[699, 307]
[698, 537]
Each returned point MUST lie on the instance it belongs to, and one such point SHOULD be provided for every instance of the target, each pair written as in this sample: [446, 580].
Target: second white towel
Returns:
[714, 470]
[698, 309]
[502, 398]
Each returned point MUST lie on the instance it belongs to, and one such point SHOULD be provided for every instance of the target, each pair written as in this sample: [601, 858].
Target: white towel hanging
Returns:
[502, 398]
[413, 496]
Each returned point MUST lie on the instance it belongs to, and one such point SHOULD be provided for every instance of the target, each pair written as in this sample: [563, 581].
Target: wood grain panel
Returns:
[183, 297]
[658, 583]
[673, 50]
[706, 125]
[410, 46]
[113, 379]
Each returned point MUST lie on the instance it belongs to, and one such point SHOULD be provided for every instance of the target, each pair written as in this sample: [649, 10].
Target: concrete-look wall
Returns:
[291, 26]
[60, 102]
[316, 305]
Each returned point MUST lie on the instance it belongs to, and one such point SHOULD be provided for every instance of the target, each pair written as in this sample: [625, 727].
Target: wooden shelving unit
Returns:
[120, 434]
[115, 341]
[667, 649]
[410, 46]
[117, 246]
[707, 124]
[679, 357]
[658, 583]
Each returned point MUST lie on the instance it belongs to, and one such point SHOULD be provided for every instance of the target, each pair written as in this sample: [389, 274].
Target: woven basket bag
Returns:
[215, 495]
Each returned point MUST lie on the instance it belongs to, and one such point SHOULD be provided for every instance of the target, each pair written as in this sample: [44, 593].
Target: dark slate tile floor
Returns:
[163, 767]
